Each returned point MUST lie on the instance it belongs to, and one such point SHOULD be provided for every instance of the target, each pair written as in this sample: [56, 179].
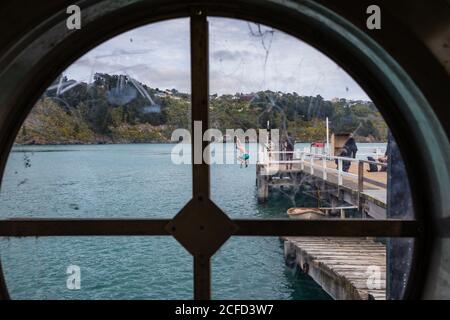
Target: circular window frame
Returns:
[40, 53]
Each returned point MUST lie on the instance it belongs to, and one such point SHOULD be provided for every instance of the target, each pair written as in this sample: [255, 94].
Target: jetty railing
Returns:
[321, 161]
[319, 165]
[363, 151]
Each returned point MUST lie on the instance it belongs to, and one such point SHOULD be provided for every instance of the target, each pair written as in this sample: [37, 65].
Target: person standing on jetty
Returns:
[289, 150]
[350, 145]
[345, 153]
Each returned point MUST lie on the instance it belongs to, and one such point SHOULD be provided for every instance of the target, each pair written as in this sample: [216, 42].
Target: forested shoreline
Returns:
[119, 109]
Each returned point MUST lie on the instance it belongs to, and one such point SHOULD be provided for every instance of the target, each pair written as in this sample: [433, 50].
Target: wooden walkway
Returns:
[365, 190]
[346, 268]
[372, 180]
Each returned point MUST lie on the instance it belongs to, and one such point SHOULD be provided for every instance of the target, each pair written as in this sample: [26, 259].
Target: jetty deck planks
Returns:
[343, 267]
[376, 177]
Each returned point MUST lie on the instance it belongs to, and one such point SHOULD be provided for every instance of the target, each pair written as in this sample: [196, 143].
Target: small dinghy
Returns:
[306, 213]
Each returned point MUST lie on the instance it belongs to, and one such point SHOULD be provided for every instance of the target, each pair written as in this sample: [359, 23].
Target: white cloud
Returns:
[159, 56]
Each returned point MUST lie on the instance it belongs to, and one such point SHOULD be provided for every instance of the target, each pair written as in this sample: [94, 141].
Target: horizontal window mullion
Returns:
[246, 227]
[83, 227]
[329, 228]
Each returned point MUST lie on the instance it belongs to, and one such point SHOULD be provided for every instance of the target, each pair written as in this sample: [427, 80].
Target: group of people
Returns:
[384, 159]
[349, 150]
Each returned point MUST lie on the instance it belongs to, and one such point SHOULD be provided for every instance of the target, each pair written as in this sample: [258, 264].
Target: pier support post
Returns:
[262, 184]
[263, 189]
[334, 203]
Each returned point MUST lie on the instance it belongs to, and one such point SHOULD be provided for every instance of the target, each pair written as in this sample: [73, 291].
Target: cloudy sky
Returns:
[244, 57]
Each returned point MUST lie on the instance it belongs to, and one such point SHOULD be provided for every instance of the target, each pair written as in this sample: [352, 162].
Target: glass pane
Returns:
[98, 143]
[310, 268]
[312, 144]
[96, 268]
[294, 135]
[254, 268]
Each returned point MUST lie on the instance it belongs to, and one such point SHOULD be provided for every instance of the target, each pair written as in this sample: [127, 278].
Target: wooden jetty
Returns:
[346, 268]
[355, 187]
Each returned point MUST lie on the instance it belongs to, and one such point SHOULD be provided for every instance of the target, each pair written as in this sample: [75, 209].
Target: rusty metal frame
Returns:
[264, 12]
[199, 35]
[245, 227]
[200, 107]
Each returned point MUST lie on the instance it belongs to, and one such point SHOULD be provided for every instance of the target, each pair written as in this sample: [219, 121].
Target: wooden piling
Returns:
[262, 184]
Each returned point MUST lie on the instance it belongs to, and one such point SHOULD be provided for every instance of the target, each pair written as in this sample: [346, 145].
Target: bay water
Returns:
[135, 181]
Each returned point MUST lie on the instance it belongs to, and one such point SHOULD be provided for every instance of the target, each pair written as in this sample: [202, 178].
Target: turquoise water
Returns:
[106, 181]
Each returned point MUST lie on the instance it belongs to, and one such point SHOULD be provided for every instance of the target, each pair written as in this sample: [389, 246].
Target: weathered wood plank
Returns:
[342, 266]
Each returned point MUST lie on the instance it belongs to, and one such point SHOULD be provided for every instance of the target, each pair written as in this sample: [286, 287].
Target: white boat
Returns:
[306, 213]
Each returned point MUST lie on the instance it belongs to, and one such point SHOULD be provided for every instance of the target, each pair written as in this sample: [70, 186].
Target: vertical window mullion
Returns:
[199, 124]
[200, 99]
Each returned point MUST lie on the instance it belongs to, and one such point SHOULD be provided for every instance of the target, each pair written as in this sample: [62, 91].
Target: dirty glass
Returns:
[295, 135]
[98, 141]
[255, 268]
[86, 268]
[297, 138]
[309, 268]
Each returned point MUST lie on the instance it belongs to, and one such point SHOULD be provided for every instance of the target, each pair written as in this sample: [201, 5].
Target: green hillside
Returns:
[118, 109]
